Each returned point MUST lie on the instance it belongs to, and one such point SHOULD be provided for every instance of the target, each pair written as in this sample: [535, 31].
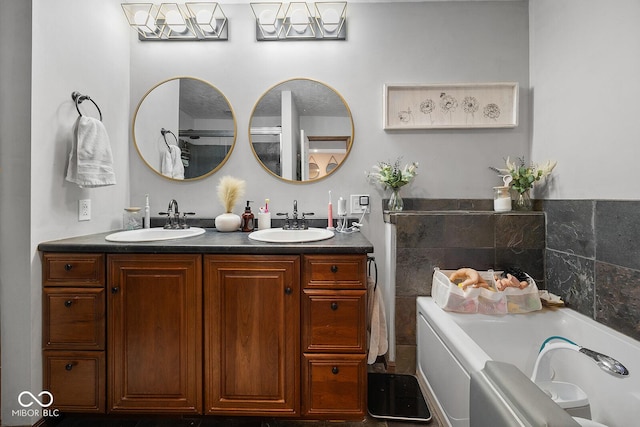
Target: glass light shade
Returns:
[174, 22]
[143, 18]
[331, 18]
[268, 19]
[207, 18]
[298, 21]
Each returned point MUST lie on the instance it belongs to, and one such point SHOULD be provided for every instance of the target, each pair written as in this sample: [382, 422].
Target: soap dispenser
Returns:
[247, 218]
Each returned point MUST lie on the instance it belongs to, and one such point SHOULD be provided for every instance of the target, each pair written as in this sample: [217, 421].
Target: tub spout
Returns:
[542, 368]
[606, 363]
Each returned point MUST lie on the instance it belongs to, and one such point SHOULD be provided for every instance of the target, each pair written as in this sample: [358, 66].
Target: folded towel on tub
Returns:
[90, 160]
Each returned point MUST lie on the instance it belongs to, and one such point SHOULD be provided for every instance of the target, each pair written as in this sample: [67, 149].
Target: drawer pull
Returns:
[68, 303]
[68, 267]
[288, 290]
[335, 370]
[334, 268]
[115, 290]
[334, 306]
[68, 366]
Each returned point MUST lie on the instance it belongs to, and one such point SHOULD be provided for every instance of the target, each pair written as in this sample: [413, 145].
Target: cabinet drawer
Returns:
[73, 269]
[73, 318]
[335, 271]
[335, 385]
[76, 379]
[334, 321]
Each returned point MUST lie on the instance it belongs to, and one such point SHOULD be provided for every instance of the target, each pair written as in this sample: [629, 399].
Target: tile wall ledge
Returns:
[414, 207]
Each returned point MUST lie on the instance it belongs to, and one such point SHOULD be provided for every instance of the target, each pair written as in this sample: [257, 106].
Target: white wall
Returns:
[76, 45]
[394, 42]
[15, 149]
[584, 78]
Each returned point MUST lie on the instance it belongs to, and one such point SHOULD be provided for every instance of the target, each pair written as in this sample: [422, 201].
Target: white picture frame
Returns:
[446, 106]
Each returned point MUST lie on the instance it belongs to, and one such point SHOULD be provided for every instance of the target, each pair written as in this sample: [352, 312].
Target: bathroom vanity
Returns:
[216, 324]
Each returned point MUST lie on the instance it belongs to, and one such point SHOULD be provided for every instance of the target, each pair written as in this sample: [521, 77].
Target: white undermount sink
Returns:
[278, 235]
[153, 234]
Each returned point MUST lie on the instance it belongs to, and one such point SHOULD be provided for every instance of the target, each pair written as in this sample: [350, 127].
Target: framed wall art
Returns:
[442, 106]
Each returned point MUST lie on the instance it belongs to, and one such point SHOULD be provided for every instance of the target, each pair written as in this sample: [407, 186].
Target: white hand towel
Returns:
[167, 164]
[176, 159]
[378, 340]
[172, 166]
[90, 160]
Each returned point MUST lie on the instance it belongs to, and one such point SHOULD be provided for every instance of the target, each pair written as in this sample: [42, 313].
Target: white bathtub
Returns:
[453, 345]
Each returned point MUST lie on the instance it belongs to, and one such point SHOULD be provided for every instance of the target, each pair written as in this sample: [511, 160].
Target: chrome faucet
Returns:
[289, 225]
[295, 215]
[173, 215]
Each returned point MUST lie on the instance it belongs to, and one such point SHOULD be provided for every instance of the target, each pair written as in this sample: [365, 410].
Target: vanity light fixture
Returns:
[173, 21]
[295, 21]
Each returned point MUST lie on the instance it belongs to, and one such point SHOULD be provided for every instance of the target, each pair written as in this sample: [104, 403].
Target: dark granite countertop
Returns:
[211, 242]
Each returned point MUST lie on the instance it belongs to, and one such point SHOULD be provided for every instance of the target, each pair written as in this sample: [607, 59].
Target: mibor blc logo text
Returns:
[35, 405]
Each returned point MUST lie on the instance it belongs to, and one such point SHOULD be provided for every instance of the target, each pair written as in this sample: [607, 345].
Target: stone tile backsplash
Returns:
[586, 251]
[451, 239]
[593, 259]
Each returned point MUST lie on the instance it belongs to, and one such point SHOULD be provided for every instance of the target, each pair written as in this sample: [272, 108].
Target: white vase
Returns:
[227, 222]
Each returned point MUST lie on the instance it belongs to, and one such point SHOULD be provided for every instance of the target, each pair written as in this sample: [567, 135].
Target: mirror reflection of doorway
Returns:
[326, 153]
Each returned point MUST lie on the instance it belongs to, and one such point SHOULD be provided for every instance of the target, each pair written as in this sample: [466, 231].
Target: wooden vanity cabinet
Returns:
[154, 352]
[215, 334]
[251, 325]
[334, 368]
[73, 331]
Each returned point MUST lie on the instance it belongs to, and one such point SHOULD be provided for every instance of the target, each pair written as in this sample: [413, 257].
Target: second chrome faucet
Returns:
[173, 216]
[292, 223]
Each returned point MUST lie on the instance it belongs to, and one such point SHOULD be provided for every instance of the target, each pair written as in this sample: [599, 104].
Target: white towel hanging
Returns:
[90, 160]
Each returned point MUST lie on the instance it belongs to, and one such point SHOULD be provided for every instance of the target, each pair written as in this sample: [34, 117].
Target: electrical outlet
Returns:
[359, 203]
[84, 210]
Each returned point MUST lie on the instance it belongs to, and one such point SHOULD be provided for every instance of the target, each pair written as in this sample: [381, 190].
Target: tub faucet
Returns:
[542, 367]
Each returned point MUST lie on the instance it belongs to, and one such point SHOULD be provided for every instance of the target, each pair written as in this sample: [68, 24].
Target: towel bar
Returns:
[78, 98]
[164, 133]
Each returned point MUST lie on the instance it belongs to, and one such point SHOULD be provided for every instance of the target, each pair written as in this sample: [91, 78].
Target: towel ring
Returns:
[164, 133]
[371, 261]
[78, 98]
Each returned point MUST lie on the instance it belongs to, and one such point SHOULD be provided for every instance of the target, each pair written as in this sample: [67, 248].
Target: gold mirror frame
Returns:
[324, 97]
[157, 140]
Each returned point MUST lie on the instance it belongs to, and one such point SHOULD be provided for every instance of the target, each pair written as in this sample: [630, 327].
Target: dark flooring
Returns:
[211, 421]
[89, 421]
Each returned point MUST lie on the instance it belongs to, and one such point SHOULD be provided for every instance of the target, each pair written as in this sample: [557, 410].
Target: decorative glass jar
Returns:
[501, 199]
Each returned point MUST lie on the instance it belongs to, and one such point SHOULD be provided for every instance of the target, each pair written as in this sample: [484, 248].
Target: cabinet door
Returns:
[334, 321]
[252, 330]
[155, 333]
[73, 318]
[335, 385]
[342, 271]
[76, 380]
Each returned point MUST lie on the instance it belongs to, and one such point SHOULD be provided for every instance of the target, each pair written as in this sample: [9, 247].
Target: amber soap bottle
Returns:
[247, 218]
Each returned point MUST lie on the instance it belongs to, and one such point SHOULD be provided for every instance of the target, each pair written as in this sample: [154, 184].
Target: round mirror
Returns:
[184, 128]
[301, 130]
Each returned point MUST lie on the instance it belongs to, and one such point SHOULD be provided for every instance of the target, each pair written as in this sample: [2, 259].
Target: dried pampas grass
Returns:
[230, 190]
